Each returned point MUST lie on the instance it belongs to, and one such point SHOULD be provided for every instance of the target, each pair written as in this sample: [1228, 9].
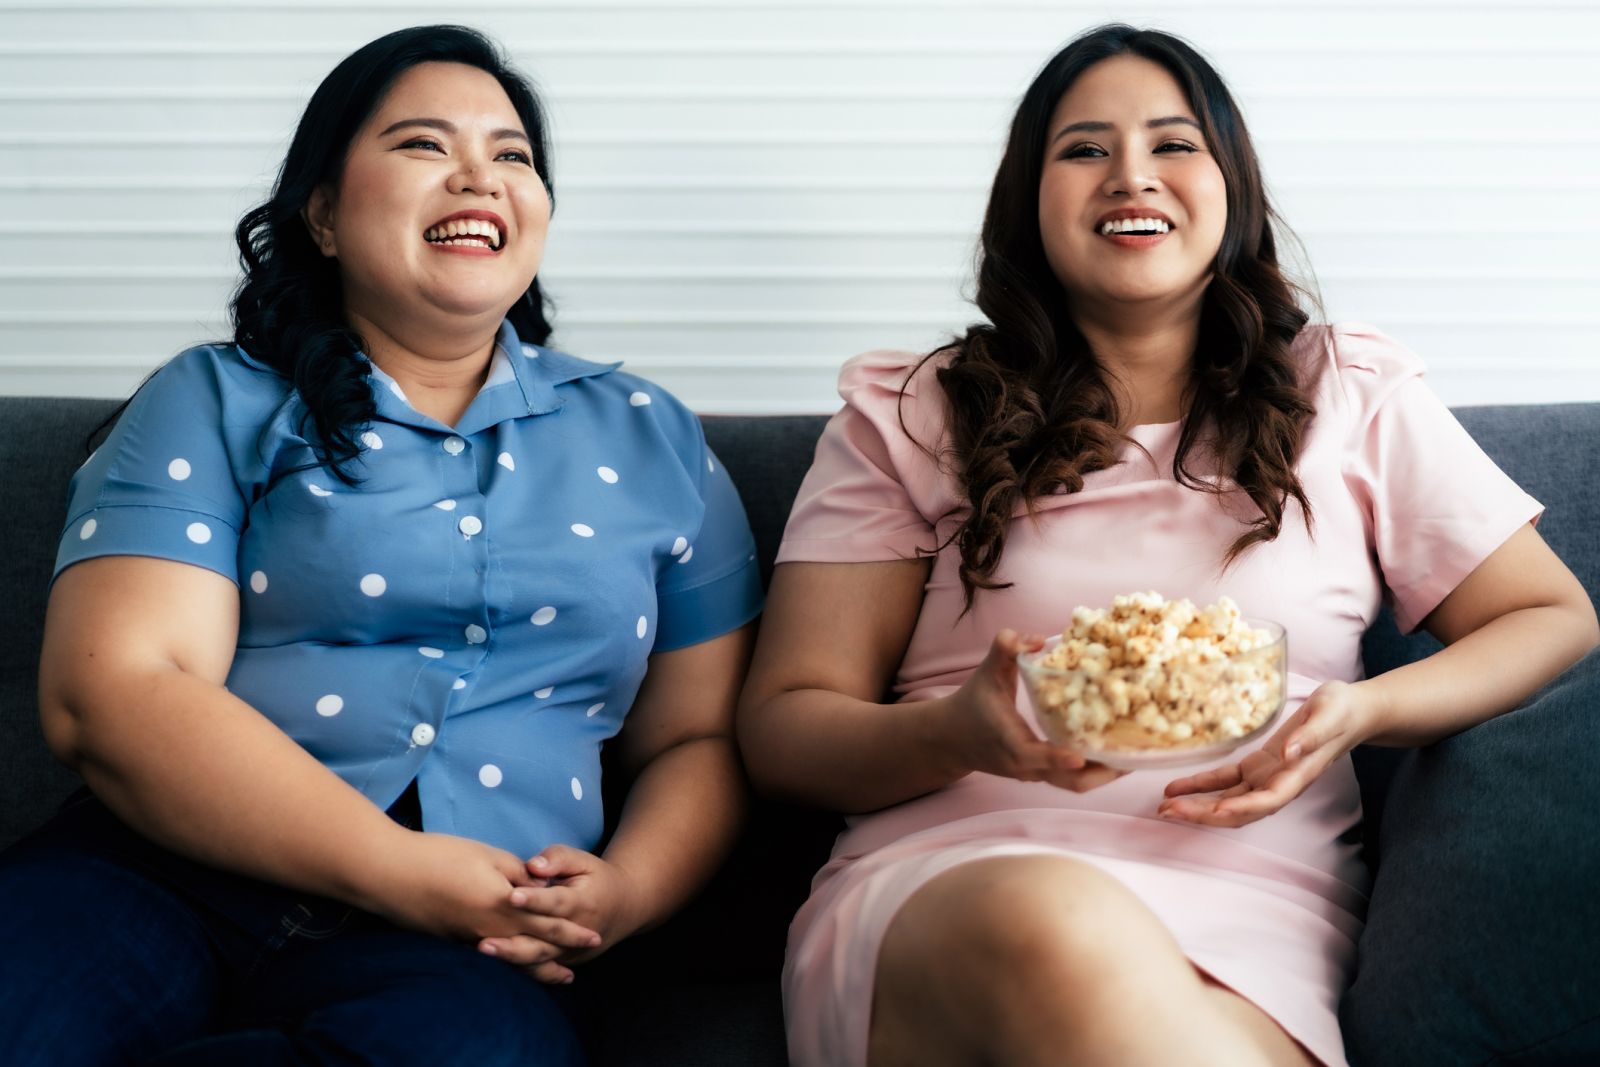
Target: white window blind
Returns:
[750, 192]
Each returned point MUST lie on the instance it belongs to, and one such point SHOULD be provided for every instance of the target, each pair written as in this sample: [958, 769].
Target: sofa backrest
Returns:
[1552, 450]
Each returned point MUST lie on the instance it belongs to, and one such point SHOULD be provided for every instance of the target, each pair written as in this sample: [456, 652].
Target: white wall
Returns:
[752, 191]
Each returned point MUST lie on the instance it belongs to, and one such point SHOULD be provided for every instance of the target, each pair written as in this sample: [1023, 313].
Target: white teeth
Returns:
[466, 228]
[1131, 225]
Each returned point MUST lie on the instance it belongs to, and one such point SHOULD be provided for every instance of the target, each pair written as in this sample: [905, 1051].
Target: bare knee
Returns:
[1020, 948]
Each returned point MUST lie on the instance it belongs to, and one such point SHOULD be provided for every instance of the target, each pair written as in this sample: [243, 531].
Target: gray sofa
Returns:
[1484, 930]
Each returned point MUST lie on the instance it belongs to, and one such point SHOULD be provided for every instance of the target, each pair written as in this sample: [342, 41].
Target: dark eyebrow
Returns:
[1102, 127]
[450, 127]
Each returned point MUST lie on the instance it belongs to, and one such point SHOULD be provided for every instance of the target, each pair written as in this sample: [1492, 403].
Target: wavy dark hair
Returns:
[1031, 410]
[288, 311]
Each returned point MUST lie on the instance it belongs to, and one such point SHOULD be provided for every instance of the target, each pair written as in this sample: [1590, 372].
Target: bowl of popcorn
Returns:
[1151, 682]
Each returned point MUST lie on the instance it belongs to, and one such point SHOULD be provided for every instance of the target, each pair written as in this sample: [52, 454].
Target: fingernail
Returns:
[567, 979]
[540, 861]
[518, 897]
[488, 949]
[1293, 751]
[594, 940]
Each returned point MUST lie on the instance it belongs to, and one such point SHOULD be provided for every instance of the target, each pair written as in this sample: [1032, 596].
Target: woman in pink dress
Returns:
[1147, 407]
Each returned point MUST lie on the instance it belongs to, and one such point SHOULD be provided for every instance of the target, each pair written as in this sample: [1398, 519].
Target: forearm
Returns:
[196, 769]
[836, 752]
[1485, 673]
[678, 823]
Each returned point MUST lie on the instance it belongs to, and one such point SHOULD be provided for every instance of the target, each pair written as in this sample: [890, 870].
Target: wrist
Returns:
[1372, 710]
[368, 876]
[633, 911]
[937, 729]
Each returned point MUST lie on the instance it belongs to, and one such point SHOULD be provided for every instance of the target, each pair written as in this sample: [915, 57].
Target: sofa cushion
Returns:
[1481, 939]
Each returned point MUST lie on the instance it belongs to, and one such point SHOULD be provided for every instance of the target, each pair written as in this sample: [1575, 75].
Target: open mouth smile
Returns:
[1134, 227]
[473, 232]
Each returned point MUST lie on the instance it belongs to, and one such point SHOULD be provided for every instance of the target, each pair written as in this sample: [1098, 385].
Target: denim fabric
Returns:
[116, 951]
[1481, 937]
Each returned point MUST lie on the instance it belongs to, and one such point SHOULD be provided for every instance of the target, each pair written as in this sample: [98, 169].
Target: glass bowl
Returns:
[1072, 704]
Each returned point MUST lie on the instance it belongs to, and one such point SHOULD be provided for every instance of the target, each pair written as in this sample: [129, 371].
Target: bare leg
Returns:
[1042, 960]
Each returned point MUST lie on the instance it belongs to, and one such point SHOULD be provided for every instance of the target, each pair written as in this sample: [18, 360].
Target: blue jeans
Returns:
[116, 951]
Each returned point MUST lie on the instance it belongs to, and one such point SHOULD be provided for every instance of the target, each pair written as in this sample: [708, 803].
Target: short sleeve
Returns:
[1437, 506]
[712, 584]
[859, 502]
[164, 483]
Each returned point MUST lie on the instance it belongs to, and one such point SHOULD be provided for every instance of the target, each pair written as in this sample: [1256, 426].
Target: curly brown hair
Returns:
[1030, 408]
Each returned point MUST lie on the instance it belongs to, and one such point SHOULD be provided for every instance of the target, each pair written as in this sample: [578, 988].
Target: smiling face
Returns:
[439, 211]
[1132, 204]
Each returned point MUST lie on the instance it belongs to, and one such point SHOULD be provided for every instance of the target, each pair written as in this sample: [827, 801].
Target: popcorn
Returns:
[1153, 673]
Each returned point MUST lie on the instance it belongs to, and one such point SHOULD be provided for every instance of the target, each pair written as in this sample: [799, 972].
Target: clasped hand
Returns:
[560, 907]
[1333, 720]
[583, 905]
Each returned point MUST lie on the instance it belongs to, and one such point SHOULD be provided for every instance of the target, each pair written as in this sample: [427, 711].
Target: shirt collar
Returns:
[521, 381]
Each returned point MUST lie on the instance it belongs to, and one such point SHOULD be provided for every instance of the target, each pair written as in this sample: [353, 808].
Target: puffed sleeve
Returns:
[1437, 506]
[870, 493]
[712, 584]
[174, 478]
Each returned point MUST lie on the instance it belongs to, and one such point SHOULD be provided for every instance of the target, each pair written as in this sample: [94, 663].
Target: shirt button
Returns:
[470, 524]
[422, 734]
[454, 445]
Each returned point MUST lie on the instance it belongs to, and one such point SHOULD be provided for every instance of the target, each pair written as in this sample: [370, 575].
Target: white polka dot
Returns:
[332, 704]
[459, 683]
[179, 469]
[470, 525]
[432, 653]
[446, 505]
[87, 530]
[688, 554]
[679, 545]
[317, 490]
[374, 585]
[476, 635]
[544, 616]
[639, 400]
[607, 475]
[394, 387]
[709, 465]
[530, 351]
[505, 460]
[454, 445]
[577, 789]
[582, 530]
[594, 709]
[544, 694]
[198, 532]
[258, 581]
[490, 775]
[641, 627]
[372, 440]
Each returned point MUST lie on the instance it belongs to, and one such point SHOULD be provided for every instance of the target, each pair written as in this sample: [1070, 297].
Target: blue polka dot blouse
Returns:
[478, 612]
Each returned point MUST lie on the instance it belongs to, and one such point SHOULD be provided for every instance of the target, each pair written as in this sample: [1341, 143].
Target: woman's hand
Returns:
[459, 888]
[576, 890]
[1333, 720]
[984, 731]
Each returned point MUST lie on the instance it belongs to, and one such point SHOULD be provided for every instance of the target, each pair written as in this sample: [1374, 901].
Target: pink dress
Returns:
[1405, 506]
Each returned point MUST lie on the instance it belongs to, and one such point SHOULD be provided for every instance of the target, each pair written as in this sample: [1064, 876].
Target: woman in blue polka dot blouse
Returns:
[345, 610]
